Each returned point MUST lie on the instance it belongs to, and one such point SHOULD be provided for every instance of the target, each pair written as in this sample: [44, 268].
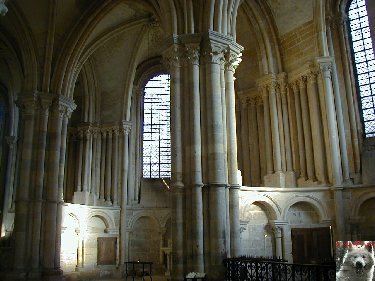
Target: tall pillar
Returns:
[9, 181]
[261, 137]
[197, 260]
[310, 167]
[253, 143]
[316, 128]
[300, 136]
[125, 130]
[275, 128]
[80, 161]
[267, 130]
[213, 58]
[232, 61]
[103, 165]
[325, 65]
[245, 153]
[64, 134]
[86, 159]
[27, 105]
[115, 166]
[98, 157]
[94, 170]
[339, 111]
[50, 255]
[350, 96]
[172, 59]
[43, 110]
[108, 168]
[290, 179]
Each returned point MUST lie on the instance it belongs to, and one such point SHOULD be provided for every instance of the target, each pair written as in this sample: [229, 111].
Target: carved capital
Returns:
[172, 57]
[277, 231]
[27, 103]
[214, 53]
[232, 60]
[192, 53]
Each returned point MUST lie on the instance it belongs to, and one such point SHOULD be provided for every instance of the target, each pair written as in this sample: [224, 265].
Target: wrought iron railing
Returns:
[256, 269]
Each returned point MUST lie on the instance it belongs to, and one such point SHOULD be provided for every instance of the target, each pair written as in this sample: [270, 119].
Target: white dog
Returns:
[358, 264]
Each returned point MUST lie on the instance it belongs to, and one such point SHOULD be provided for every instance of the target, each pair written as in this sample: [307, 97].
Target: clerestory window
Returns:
[156, 128]
[363, 56]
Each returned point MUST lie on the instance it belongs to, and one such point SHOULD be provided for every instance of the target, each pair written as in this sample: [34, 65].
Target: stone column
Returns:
[80, 160]
[277, 232]
[115, 166]
[289, 176]
[245, 153]
[316, 128]
[27, 104]
[232, 61]
[350, 94]
[108, 169]
[125, 130]
[213, 58]
[64, 134]
[339, 111]
[325, 65]
[267, 130]
[98, 157]
[94, 170]
[50, 259]
[261, 137]
[192, 53]
[86, 160]
[275, 128]
[103, 166]
[300, 136]
[306, 130]
[172, 59]
[45, 100]
[9, 179]
[253, 143]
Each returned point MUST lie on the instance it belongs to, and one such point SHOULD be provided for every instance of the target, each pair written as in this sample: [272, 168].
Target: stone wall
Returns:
[299, 46]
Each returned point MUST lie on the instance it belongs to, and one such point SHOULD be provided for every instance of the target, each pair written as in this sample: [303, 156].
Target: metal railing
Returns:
[272, 269]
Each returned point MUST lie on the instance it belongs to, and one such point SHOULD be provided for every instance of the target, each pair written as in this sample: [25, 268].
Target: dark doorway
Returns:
[311, 245]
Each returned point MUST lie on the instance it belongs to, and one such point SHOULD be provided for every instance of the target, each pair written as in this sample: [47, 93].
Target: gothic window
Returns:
[156, 128]
[364, 62]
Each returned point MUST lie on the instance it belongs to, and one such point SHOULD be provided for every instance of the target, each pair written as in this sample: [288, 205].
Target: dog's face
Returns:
[360, 258]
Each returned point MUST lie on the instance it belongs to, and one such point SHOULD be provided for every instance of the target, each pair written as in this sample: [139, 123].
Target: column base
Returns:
[53, 275]
[276, 179]
[290, 179]
[85, 198]
[302, 182]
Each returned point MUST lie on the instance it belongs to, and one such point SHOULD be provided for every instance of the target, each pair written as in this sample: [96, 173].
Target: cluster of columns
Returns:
[205, 178]
[40, 186]
[289, 129]
[95, 164]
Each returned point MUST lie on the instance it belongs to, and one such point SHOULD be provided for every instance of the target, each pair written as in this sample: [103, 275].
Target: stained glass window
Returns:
[156, 128]
[364, 63]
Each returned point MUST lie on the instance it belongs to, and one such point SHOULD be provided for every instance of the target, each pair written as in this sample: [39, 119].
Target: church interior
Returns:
[183, 132]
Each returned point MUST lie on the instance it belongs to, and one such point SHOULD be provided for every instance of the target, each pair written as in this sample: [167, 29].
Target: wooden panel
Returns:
[107, 247]
[311, 245]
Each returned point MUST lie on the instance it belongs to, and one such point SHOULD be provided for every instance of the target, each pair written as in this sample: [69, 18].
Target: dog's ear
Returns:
[350, 245]
[368, 246]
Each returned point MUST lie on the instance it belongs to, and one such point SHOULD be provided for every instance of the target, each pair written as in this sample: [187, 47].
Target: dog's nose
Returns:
[358, 264]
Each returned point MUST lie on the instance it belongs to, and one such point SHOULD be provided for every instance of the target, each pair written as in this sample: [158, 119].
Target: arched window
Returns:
[156, 128]
[364, 62]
